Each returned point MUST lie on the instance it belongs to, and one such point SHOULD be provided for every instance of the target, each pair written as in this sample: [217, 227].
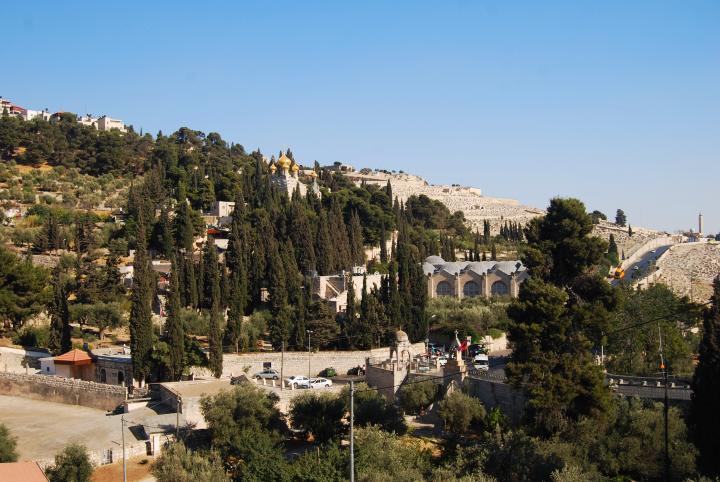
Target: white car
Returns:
[481, 362]
[320, 383]
[297, 381]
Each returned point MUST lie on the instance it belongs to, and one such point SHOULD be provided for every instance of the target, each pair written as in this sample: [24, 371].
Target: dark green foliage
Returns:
[620, 218]
[416, 397]
[23, 289]
[371, 408]
[7, 446]
[215, 342]
[706, 389]
[178, 464]
[460, 411]
[561, 313]
[383, 456]
[597, 216]
[60, 330]
[636, 351]
[71, 465]
[612, 252]
[141, 333]
[175, 329]
[330, 465]
[320, 414]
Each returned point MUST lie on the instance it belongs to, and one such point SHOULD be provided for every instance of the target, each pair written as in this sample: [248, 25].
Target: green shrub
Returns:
[33, 336]
[416, 397]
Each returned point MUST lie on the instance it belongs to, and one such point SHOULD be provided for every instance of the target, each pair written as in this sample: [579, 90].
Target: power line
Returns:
[653, 320]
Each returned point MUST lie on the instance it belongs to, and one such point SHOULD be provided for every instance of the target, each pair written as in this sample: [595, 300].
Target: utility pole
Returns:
[177, 419]
[309, 332]
[665, 407]
[122, 431]
[352, 431]
[282, 364]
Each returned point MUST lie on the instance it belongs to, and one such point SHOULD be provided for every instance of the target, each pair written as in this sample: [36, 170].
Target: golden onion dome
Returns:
[313, 174]
[284, 162]
[295, 168]
[273, 168]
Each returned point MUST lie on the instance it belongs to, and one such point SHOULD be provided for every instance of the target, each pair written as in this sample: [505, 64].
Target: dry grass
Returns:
[136, 471]
[24, 169]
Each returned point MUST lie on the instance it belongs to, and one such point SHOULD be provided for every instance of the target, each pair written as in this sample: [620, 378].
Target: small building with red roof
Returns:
[75, 364]
[22, 471]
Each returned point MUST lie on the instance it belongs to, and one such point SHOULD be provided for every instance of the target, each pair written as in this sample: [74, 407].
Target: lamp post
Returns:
[309, 332]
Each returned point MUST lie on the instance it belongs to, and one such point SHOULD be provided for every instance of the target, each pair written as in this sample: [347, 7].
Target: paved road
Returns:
[644, 263]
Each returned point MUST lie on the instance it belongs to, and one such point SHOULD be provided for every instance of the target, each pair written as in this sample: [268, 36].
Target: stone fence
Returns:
[296, 362]
[642, 250]
[63, 390]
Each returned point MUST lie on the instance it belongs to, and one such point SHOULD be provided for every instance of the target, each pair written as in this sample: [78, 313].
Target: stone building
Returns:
[334, 288]
[389, 374]
[464, 279]
[113, 366]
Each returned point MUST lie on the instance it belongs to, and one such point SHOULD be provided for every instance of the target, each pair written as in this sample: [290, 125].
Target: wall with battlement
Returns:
[62, 390]
[296, 362]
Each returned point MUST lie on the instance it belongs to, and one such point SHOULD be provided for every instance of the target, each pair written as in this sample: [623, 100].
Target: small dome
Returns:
[273, 168]
[401, 336]
[295, 168]
[313, 174]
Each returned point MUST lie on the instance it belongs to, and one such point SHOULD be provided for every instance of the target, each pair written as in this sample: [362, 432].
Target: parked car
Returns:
[358, 371]
[320, 383]
[269, 374]
[297, 381]
[329, 372]
[481, 362]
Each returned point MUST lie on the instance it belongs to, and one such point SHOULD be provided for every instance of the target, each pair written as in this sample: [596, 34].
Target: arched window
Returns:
[444, 289]
[499, 289]
[471, 288]
[103, 376]
[121, 377]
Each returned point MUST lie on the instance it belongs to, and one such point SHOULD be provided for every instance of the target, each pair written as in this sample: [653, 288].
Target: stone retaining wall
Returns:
[296, 362]
[62, 390]
[495, 393]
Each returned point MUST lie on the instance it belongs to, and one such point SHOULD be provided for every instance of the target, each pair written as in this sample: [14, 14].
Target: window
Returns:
[444, 289]
[499, 289]
[103, 376]
[121, 377]
[471, 288]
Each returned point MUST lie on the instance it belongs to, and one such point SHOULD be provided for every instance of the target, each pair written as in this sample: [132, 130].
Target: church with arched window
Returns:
[468, 279]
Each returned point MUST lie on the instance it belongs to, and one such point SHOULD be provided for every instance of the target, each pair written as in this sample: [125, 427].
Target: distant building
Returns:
[105, 123]
[340, 167]
[334, 288]
[469, 279]
[113, 366]
[74, 364]
[222, 209]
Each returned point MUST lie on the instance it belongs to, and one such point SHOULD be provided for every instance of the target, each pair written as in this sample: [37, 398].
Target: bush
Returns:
[318, 413]
[178, 464]
[371, 408]
[33, 337]
[459, 411]
[415, 398]
[71, 465]
[7, 445]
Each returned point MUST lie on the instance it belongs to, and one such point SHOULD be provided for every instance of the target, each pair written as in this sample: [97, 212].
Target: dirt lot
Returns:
[138, 470]
[44, 428]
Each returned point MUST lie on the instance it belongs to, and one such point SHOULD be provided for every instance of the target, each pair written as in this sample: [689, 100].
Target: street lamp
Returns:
[309, 332]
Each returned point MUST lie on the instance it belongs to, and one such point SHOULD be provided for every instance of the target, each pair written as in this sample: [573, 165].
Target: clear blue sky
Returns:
[614, 102]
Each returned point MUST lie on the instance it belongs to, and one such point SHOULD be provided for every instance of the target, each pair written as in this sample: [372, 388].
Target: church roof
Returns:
[284, 162]
[435, 264]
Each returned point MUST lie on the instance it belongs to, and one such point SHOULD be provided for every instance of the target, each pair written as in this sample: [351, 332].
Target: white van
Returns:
[481, 362]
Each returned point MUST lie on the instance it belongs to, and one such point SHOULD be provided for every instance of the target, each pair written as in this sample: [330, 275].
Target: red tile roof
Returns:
[22, 471]
[74, 357]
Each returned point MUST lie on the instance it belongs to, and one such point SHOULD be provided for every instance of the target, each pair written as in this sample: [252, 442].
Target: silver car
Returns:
[269, 374]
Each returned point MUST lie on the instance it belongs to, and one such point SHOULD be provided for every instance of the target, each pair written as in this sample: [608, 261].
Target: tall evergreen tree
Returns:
[211, 276]
[302, 238]
[613, 255]
[620, 218]
[183, 227]
[383, 245]
[355, 234]
[174, 328]
[60, 330]
[215, 361]
[351, 313]
[325, 250]
[141, 333]
[704, 422]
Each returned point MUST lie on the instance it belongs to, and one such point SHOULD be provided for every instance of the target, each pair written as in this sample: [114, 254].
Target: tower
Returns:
[700, 224]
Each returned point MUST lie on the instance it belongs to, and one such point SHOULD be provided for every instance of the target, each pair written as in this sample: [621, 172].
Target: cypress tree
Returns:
[302, 238]
[164, 241]
[215, 362]
[174, 329]
[60, 331]
[141, 342]
[383, 245]
[493, 252]
[325, 252]
[350, 313]
[355, 235]
[613, 251]
[211, 276]
[183, 227]
[704, 422]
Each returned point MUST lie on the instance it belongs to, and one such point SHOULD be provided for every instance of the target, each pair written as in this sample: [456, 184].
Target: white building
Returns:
[106, 123]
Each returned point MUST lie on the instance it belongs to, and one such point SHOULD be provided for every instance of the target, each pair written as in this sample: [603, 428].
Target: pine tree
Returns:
[141, 342]
[704, 422]
[60, 330]
[174, 329]
[620, 218]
